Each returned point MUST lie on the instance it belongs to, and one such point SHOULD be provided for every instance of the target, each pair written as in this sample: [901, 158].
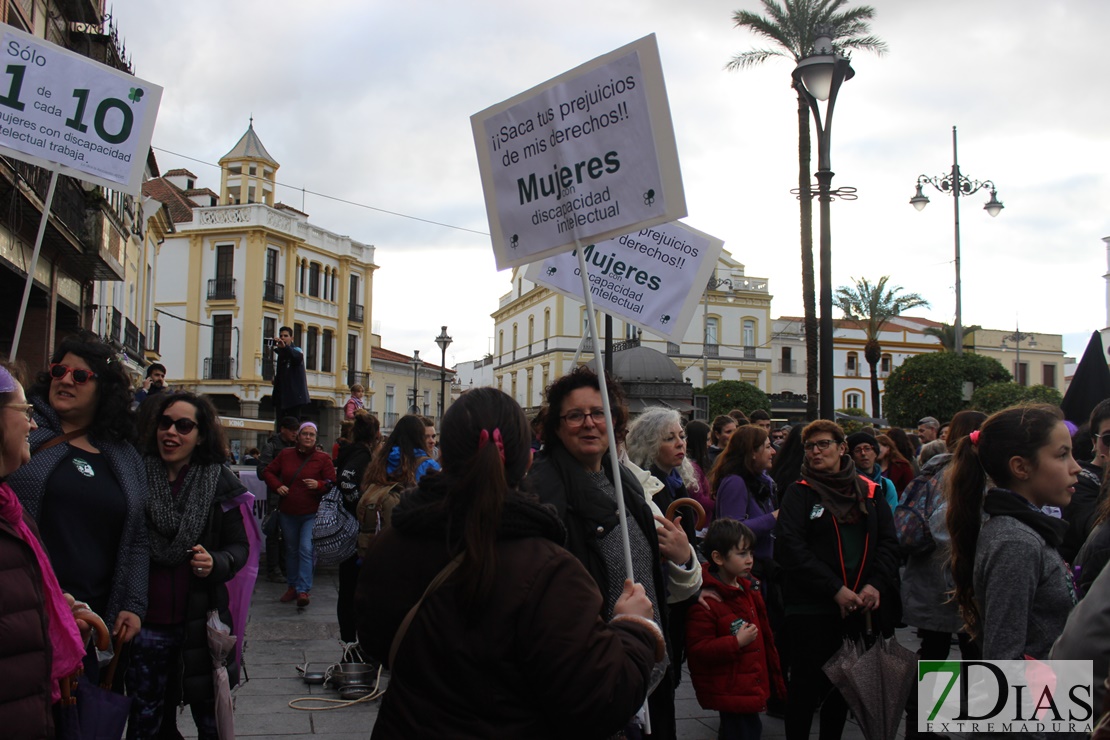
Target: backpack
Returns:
[375, 513]
[911, 517]
[335, 530]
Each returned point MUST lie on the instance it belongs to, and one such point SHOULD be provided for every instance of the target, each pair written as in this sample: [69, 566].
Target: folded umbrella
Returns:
[221, 643]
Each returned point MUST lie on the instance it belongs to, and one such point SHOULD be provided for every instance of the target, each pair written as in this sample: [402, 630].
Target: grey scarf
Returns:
[175, 524]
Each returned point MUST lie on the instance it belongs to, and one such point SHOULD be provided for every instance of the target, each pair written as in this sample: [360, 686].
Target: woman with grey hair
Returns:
[657, 443]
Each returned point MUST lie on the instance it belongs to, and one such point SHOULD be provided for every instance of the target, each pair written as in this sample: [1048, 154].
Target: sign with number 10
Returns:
[67, 112]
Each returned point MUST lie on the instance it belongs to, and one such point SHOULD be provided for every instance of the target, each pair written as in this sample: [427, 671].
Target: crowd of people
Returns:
[492, 575]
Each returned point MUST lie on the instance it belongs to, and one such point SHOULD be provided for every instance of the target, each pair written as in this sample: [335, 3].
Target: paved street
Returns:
[281, 637]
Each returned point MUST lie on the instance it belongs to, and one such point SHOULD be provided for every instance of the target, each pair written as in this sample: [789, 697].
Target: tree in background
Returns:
[792, 27]
[998, 396]
[726, 395]
[933, 385]
[946, 333]
[870, 306]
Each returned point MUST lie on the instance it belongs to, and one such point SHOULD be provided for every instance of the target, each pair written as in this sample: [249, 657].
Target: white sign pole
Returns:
[34, 262]
[614, 458]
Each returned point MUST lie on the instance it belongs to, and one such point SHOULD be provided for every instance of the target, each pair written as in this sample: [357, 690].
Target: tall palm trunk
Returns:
[873, 353]
[809, 297]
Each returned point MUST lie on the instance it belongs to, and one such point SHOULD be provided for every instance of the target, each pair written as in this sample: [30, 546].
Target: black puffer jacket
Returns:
[25, 653]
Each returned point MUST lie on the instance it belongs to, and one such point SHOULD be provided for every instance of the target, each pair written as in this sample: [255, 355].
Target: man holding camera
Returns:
[290, 384]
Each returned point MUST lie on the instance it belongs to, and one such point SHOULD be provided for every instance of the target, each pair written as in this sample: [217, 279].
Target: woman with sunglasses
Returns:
[835, 542]
[197, 543]
[85, 487]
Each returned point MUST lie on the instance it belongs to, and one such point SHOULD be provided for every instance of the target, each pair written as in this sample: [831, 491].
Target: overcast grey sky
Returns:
[370, 102]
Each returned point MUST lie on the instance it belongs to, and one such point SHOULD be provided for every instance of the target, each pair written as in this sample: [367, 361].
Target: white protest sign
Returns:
[583, 157]
[653, 278]
[63, 111]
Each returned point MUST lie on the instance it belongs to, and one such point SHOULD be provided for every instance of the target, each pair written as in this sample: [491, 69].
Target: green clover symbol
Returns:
[135, 95]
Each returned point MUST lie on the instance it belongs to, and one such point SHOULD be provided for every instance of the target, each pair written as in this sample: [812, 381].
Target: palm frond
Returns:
[747, 59]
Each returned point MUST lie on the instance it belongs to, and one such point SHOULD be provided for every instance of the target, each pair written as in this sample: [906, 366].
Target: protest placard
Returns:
[67, 112]
[583, 157]
[652, 278]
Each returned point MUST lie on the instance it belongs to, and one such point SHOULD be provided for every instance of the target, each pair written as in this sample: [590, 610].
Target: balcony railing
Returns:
[852, 371]
[673, 349]
[712, 350]
[356, 312]
[219, 368]
[131, 336]
[221, 288]
[70, 203]
[389, 419]
[749, 353]
[273, 292]
[789, 367]
[356, 376]
[154, 337]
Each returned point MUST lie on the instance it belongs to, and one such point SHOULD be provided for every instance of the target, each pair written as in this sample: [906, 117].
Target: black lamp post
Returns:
[444, 341]
[1017, 338]
[956, 184]
[416, 363]
[818, 77]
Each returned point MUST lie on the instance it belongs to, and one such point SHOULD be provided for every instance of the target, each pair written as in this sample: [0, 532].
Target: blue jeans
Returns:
[296, 530]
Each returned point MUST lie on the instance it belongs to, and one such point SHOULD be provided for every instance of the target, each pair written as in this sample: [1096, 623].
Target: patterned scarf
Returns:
[843, 493]
[175, 523]
[65, 638]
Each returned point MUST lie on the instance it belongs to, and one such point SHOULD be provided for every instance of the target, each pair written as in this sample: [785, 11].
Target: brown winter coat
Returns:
[25, 653]
[536, 661]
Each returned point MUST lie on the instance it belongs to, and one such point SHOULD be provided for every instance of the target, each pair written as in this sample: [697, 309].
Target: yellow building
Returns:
[236, 270]
[1037, 359]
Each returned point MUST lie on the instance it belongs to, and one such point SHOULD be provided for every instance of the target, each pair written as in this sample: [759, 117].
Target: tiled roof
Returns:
[250, 147]
[285, 207]
[180, 207]
[381, 353]
[897, 323]
[179, 172]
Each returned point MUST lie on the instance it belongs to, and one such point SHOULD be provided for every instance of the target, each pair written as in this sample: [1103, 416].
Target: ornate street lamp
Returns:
[444, 341]
[818, 77]
[957, 185]
[1017, 338]
[416, 362]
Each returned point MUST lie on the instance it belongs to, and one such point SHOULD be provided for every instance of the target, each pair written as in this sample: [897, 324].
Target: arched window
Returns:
[853, 400]
[546, 323]
[749, 333]
[712, 324]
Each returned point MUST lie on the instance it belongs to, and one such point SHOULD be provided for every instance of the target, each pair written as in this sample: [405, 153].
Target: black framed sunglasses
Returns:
[1104, 438]
[80, 377]
[183, 426]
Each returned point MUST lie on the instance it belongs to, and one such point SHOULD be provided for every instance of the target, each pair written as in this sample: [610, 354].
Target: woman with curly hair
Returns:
[1013, 588]
[85, 485]
[197, 544]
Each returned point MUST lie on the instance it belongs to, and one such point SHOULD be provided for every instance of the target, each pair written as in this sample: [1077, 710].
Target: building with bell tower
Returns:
[237, 267]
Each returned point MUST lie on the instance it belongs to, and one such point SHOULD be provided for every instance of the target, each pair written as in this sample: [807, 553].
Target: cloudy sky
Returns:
[370, 101]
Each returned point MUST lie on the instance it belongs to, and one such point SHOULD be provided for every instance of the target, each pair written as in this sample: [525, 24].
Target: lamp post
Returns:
[416, 362]
[444, 341]
[818, 77]
[957, 184]
[1017, 338]
[713, 284]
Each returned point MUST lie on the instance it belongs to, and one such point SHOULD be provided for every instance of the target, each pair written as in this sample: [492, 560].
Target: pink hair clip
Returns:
[974, 437]
[484, 438]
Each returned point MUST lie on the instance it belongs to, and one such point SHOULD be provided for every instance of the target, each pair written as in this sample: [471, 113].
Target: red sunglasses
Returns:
[80, 377]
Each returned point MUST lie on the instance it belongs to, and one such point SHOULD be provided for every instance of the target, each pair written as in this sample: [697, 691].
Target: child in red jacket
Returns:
[730, 650]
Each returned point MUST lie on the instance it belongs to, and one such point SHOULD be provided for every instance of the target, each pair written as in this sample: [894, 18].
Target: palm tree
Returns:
[946, 333]
[870, 307]
[792, 26]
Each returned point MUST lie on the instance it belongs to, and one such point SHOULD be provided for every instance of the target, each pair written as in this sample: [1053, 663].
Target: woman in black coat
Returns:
[835, 542]
[196, 547]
